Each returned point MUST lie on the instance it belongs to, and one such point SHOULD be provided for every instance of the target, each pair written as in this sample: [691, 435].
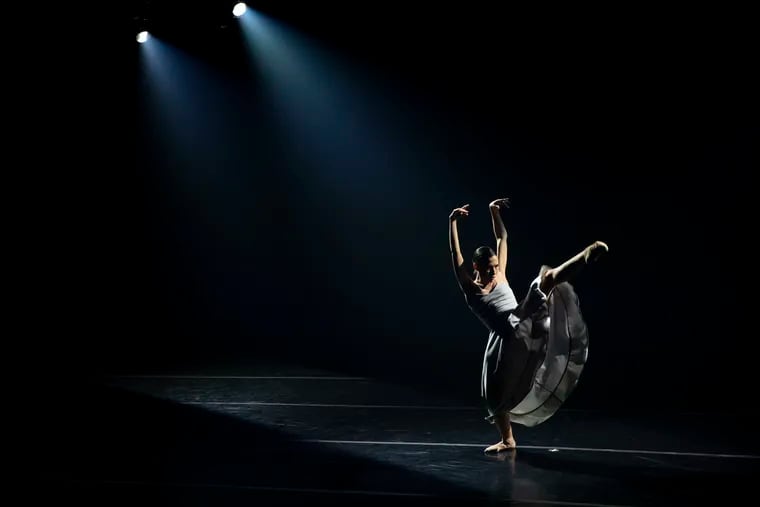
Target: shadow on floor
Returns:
[114, 446]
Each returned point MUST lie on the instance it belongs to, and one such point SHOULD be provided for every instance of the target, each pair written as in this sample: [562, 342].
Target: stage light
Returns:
[142, 37]
[239, 9]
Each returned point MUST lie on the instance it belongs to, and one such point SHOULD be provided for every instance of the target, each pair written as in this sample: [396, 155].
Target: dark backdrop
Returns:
[290, 203]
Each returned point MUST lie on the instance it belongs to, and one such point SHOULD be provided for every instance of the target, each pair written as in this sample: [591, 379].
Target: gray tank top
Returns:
[493, 309]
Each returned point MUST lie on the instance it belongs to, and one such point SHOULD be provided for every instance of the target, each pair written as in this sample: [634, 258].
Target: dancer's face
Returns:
[488, 270]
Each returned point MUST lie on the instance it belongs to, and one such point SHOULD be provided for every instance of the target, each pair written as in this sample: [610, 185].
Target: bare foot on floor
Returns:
[502, 446]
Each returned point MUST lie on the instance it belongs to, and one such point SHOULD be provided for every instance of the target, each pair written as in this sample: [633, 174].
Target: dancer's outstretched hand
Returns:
[499, 203]
[460, 212]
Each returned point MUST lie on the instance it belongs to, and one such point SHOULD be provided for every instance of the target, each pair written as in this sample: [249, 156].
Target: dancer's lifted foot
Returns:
[571, 267]
[595, 250]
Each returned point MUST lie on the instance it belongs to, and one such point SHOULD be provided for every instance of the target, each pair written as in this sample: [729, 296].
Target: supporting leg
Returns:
[505, 430]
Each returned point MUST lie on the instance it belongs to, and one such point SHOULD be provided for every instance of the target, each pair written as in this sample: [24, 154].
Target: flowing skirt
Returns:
[532, 366]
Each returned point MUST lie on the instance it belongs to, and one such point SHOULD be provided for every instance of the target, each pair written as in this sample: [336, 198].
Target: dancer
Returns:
[536, 348]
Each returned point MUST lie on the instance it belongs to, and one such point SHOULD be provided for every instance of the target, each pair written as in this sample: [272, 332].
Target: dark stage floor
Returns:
[290, 436]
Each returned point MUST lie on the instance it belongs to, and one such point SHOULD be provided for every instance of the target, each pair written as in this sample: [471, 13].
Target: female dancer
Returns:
[537, 347]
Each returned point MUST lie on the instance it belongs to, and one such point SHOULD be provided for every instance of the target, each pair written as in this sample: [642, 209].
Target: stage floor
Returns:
[287, 436]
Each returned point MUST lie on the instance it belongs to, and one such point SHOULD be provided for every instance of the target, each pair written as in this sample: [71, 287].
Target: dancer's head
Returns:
[485, 263]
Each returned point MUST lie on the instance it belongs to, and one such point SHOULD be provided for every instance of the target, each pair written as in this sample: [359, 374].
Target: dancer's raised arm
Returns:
[499, 231]
[463, 277]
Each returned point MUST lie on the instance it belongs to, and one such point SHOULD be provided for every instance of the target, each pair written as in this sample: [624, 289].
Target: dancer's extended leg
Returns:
[571, 267]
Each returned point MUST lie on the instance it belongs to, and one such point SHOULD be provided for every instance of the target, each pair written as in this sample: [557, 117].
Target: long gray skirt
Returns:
[534, 364]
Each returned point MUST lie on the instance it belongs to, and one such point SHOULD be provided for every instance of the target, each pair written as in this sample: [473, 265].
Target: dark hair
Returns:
[482, 253]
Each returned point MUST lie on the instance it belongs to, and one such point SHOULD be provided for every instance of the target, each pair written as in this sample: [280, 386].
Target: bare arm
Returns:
[499, 231]
[463, 278]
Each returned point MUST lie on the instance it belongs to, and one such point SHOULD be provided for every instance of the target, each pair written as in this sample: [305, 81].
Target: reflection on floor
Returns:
[289, 437]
